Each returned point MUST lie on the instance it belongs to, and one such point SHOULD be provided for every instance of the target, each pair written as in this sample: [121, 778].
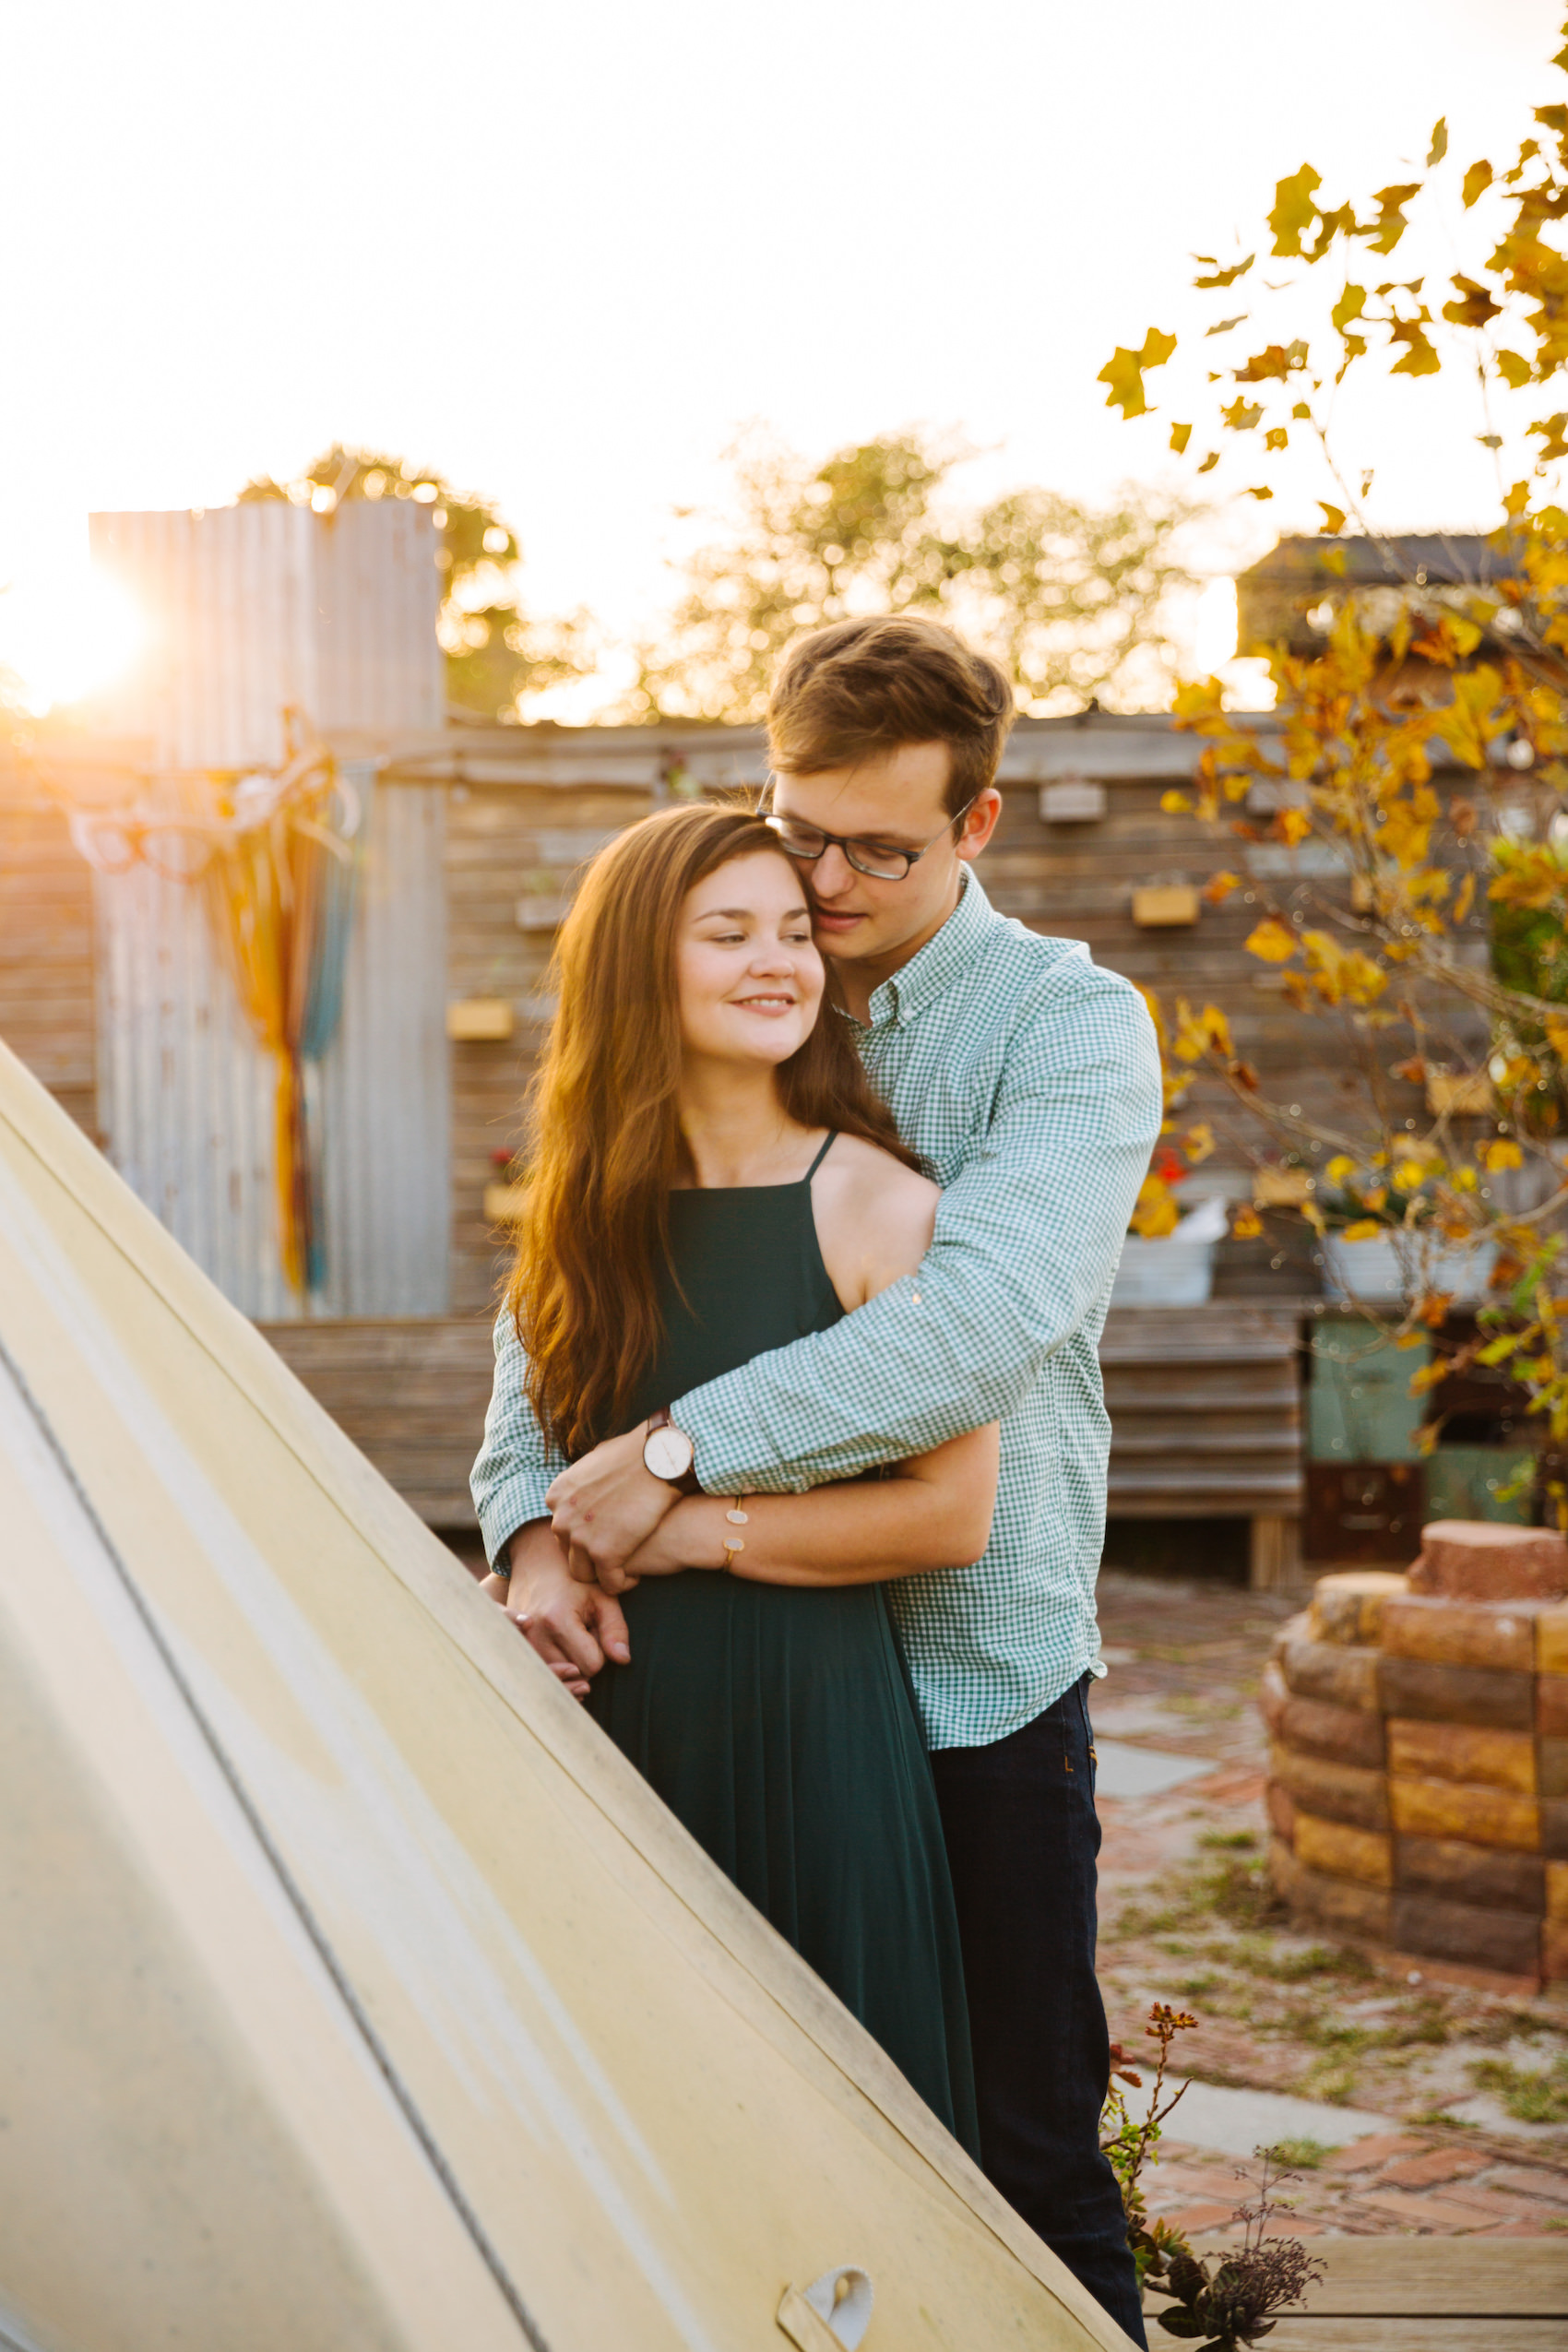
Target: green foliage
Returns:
[1072, 598]
[1530, 2094]
[1226, 2303]
[1234, 1889]
[1299, 2156]
[1266, 1959]
[496, 657]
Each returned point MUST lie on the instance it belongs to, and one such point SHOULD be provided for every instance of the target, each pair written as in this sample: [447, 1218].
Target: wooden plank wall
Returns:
[520, 839]
[504, 843]
[508, 841]
[46, 976]
[1076, 880]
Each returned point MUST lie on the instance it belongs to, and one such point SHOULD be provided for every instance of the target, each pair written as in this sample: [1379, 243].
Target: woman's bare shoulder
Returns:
[880, 1214]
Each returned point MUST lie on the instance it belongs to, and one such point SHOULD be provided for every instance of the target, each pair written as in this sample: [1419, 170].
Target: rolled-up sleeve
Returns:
[516, 1463]
[1026, 1242]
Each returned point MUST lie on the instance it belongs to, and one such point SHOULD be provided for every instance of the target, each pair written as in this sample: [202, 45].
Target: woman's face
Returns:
[748, 980]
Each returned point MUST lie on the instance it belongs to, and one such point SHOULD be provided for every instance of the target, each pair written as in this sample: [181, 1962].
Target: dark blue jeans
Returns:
[1023, 1841]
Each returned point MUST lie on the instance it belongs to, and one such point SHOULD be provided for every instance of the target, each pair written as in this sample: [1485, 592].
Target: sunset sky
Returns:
[562, 254]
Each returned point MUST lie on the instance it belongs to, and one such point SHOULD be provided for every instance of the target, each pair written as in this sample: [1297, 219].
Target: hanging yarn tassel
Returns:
[276, 854]
[281, 894]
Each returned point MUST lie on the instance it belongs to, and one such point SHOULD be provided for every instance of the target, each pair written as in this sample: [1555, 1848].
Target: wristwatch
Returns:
[667, 1451]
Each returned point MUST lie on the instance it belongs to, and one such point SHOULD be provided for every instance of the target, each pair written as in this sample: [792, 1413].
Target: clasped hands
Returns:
[612, 1523]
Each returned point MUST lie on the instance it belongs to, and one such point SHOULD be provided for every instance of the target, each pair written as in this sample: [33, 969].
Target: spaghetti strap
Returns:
[822, 1155]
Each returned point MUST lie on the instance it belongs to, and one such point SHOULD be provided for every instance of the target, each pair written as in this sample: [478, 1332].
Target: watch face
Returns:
[667, 1452]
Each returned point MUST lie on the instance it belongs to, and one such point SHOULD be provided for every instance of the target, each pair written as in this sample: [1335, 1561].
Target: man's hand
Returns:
[604, 1506]
[692, 1536]
[573, 1627]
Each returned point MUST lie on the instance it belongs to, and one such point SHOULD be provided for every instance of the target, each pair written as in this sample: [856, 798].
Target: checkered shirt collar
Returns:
[939, 963]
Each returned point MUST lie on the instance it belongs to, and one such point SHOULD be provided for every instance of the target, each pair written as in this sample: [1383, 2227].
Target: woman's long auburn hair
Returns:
[604, 1144]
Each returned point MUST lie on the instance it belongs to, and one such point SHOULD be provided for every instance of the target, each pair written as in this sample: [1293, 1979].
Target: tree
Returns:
[1074, 599]
[1442, 950]
[497, 658]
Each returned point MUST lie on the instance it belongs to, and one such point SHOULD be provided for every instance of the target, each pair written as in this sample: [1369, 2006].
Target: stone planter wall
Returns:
[1418, 1762]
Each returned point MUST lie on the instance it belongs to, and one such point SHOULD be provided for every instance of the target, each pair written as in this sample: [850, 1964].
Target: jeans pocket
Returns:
[1083, 1698]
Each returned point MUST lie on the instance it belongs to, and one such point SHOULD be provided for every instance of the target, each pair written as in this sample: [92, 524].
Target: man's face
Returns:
[896, 800]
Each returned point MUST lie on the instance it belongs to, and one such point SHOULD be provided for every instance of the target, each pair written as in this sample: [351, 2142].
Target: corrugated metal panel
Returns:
[378, 590]
[186, 1099]
[229, 601]
[252, 609]
[386, 1092]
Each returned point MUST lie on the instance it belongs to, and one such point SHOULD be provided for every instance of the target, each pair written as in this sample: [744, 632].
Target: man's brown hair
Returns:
[859, 688]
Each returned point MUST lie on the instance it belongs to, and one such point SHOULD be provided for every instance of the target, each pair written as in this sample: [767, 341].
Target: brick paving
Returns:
[1363, 2193]
[1186, 1917]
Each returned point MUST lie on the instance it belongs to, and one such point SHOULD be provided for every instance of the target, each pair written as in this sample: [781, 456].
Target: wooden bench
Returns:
[1204, 1408]
[1205, 1423]
[1425, 2295]
[410, 1393]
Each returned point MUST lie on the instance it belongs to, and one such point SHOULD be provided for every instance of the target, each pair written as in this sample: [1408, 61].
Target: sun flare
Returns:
[66, 636]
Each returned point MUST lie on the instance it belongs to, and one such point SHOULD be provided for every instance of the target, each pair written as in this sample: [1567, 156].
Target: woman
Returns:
[711, 1177]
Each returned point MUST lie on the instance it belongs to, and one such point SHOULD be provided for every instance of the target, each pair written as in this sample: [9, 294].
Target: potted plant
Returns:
[1167, 1258]
[1399, 1229]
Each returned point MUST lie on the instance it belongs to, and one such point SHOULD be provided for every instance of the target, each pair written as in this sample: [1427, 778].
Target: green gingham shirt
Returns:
[1030, 1079]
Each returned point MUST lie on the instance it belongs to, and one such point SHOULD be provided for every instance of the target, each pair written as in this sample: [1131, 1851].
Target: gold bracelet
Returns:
[732, 1544]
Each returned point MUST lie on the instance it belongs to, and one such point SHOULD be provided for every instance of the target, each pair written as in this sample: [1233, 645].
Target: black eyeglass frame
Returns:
[849, 845]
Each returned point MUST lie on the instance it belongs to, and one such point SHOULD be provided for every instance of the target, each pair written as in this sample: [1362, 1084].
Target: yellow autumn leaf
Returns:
[1218, 886]
[1272, 941]
[1474, 716]
[1294, 210]
[1365, 1228]
[1124, 372]
[1464, 902]
[1176, 803]
[1246, 1225]
[1341, 1168]
[1292, 826]
[1201, 1033]
[1503, 1153]
[1198, 1141]
[1156, 1212]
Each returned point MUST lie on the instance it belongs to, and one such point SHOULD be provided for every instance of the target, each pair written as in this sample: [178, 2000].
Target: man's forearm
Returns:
[515, 1464]
[1027, 1237]
[931, 1513]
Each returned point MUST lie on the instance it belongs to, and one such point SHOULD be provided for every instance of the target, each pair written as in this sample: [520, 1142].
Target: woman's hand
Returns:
[690, 1536]
[574, 1628]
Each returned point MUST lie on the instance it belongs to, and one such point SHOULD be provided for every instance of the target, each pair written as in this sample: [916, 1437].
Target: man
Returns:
[1030, 1079]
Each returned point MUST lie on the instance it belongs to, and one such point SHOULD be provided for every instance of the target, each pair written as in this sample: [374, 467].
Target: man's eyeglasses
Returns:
[809, 842]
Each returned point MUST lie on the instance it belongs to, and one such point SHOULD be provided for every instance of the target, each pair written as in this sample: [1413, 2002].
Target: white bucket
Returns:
[1388, 1269]
[1177, 1270]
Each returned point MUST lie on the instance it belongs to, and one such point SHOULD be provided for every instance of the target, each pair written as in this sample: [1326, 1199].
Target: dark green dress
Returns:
[776, 1721]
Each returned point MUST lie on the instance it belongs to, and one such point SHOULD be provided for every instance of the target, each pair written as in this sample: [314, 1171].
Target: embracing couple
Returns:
[794, 1471]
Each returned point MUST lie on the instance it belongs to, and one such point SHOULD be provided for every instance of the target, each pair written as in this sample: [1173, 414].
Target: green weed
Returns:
[1530, 2094]
[1332, 2084]
[1299, 2156]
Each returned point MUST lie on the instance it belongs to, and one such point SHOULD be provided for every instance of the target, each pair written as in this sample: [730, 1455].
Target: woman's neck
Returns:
[737, 1130]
